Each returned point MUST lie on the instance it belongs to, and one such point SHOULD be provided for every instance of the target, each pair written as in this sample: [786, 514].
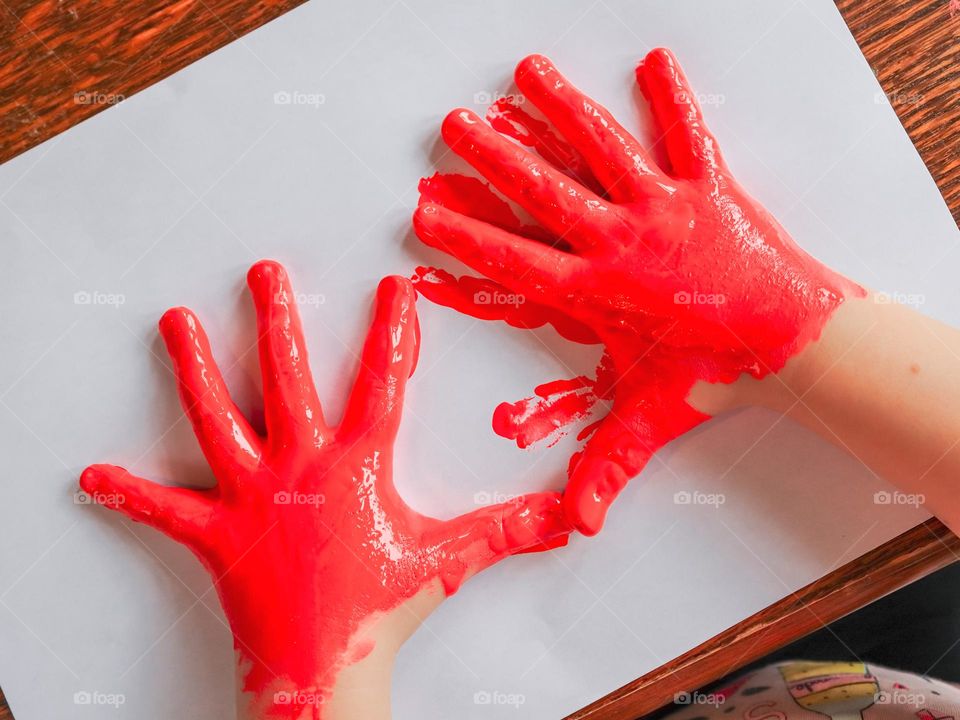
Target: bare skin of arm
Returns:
[880, 383]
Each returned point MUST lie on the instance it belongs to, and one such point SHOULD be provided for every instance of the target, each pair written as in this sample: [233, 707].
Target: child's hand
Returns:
[307, 540]
[681, 274]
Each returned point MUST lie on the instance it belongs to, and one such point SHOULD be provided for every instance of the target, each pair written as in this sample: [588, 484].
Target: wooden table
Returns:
[54, 49]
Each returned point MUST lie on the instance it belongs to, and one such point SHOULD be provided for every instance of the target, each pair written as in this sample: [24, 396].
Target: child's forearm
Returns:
[882, 382]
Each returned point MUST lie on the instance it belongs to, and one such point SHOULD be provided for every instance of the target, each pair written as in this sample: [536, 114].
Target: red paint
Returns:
[680, 273]
[487, 300]
[469, 195]
[304, 534]
[555, 405]
[508, 117]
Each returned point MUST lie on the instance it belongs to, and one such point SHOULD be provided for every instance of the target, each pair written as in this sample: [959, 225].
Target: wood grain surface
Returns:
[62, 61]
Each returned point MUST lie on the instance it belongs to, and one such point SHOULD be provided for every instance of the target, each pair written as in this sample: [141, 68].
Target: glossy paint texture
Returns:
[304, 533]
[553, 406]
[677, 270]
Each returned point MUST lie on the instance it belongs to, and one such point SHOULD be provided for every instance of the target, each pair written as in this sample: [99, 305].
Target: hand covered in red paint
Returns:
[678, 271]
[308, 542]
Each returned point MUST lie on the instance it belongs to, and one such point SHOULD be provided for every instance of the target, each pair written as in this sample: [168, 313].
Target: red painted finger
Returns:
[648, 413]
[485, 299]
[228, 442]
[291, 406]
[573, 213]
[691, 147]
[472, 196]
[472, 542]
[530, 268]
[508, 117]
[614, 455]
[388, 359]
[617, 159]
[179, 513]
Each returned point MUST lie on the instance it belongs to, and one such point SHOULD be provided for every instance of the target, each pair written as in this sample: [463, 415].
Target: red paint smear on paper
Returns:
[487, 300]
[554, 405]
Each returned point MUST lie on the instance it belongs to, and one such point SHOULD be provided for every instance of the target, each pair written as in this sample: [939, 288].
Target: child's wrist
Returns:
[353, 683]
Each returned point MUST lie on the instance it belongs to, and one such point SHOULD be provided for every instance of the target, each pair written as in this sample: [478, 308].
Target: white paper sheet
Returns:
[167, 198]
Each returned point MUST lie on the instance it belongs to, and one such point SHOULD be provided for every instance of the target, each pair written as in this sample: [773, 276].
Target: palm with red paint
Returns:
[680, 273]
[304, 533]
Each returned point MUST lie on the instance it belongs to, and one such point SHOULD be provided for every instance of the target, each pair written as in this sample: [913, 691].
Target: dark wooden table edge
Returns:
[908, 557]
